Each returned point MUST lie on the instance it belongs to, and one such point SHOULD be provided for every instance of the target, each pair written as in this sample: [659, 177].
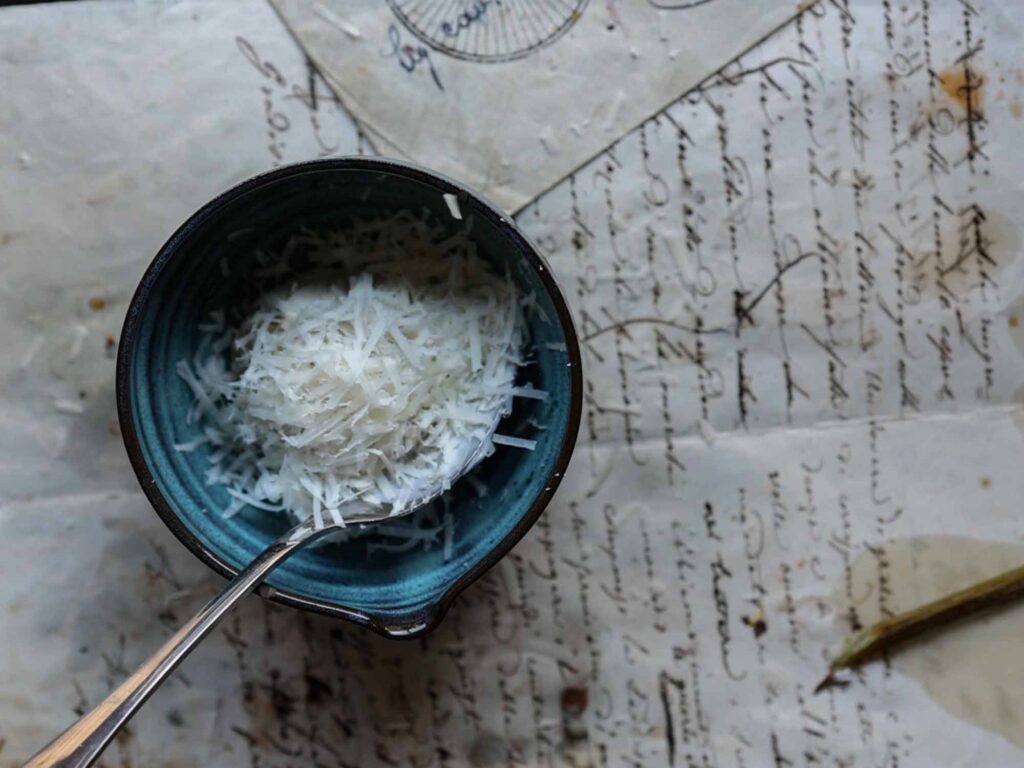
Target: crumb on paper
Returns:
[615, 112]
[97, 303]
[548, 140]
[335, 20]
[69, 407]
[985, 482]
[79, 333]
[24, 159]
[453, 205]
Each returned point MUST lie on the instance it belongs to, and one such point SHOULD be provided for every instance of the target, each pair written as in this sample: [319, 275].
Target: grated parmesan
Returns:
[514, 442]
[378, 373]
[453, 205]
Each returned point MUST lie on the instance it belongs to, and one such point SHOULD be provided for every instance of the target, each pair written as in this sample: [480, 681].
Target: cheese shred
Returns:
[372, 379]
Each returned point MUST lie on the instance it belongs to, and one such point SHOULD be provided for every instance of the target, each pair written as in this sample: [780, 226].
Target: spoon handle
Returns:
[85, 739]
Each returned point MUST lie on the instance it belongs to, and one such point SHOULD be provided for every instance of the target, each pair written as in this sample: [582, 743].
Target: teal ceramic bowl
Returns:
[204, 266]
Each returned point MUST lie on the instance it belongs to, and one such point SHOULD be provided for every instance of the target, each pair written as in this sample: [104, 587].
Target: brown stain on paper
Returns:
[972, 669]
[964, 86]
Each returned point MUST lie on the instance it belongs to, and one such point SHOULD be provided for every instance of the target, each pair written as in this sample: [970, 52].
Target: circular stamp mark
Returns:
[488, 31]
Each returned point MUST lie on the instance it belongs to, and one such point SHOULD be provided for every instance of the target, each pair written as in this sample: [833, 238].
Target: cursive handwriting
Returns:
[410, 57]
[279, 93]
[468, 17]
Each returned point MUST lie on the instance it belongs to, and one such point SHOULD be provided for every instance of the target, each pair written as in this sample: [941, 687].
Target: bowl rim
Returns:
[415, 623]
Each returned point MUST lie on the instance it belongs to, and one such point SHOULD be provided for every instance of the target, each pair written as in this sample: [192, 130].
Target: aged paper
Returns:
[511, 95]
[800, 296]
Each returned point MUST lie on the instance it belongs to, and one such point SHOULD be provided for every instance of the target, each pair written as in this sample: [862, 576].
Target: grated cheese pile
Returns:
[374, 379]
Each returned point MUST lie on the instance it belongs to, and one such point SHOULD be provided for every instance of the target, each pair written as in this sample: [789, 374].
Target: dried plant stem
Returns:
[869, 642]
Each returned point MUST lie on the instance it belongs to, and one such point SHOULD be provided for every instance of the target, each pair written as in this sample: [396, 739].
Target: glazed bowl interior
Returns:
[208, 265]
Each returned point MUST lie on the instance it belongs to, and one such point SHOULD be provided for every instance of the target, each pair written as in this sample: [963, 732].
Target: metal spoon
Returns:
[84, 740]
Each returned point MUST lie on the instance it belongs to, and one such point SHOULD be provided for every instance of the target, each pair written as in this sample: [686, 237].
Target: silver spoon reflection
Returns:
[85, 739]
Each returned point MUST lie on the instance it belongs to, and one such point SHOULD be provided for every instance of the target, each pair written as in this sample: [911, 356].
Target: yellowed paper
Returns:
[511, 96]
[799, 291]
